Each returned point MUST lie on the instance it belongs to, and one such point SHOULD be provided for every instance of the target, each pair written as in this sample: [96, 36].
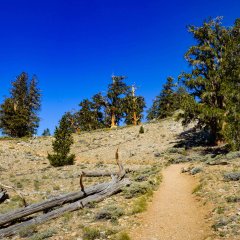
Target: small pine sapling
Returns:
[61, 145]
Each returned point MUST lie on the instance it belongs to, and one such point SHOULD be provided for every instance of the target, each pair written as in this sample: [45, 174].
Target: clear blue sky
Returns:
[75, 46]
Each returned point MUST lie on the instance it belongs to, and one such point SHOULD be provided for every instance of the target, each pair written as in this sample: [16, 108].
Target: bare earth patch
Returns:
[174, 212]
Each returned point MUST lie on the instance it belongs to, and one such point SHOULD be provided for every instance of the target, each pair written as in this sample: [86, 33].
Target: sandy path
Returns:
[174, 213]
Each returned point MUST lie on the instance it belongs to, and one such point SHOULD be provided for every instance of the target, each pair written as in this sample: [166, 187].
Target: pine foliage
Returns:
[119, 104]
[18, 113]
[115, 100]
[61, 144]
[133, 108]
[91, 114]
[231, 74]
[165, 103]
[213, 79]
[46, 132]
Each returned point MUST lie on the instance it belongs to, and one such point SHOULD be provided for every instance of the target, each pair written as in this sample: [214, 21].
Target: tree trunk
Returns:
[113, 120]
[135, 118]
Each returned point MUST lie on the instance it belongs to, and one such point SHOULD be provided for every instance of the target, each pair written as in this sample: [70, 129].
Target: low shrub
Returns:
[195, 170]
[123, 236]
[43, 235]
[110, 213]
[28, 231]
[139, 205]
[91, 233]
[232, 176]
[233, 199]
[136, 189]
[141, 130]
[58, 161]
[197, 188]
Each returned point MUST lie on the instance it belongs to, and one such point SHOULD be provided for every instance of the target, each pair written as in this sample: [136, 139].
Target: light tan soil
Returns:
[174, 213]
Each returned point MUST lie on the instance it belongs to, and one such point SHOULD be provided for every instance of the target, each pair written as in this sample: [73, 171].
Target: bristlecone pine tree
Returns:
[18, 113]
[133, 107]
[114, 103]
[165, 103]
[208, 82]
[61, 144]
[231, 74]
[46, 132]
[91, 114]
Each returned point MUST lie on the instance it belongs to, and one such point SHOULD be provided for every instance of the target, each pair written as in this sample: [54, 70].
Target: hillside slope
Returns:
[24, 164]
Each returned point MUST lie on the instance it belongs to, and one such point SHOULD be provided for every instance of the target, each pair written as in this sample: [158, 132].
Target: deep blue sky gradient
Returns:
[75, 46]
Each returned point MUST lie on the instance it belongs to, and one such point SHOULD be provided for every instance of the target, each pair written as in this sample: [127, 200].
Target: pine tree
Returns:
[165, 103]
[91, 114]
[114, 103]
[18, 113]
[133, 107]
[207, 104]
[231, 87]
[46, 132]
[61, 145]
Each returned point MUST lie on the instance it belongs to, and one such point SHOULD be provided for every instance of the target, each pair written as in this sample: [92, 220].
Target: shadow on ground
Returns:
[193, 138]
[199, 138]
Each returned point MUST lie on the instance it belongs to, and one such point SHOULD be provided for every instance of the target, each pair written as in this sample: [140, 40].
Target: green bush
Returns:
[136, 190]
[141, 130]
[139, 205]
[43, 235]
[110, 212]
[123, 236]
[57, 160]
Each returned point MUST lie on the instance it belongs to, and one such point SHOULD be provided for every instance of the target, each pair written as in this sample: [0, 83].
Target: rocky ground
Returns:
[24, 165]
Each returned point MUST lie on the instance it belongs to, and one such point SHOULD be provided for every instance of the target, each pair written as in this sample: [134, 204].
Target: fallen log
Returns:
[213, 163]
[103, 173]
[59, 200]
[112, 187]
[50, 203]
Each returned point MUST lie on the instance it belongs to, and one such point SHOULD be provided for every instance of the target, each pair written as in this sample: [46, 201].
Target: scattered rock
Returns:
[195, 170]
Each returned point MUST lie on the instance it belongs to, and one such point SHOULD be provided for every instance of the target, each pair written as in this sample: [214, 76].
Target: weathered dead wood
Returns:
[76, 201]
[112, 187]
[60, 200]
[16, 191]
[103, 173]
[50, 203]
[121, 172]
[3, 195]
[213, 163]
[81, 181]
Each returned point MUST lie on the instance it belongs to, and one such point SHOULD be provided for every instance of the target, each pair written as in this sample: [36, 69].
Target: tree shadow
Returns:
[193, 138]
[199, 138]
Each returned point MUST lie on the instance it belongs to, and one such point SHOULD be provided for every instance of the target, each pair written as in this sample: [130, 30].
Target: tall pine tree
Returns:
[114, 103]
[165, 103]
[133, 108]
[18, 113]
[207, 104]
[231, 87]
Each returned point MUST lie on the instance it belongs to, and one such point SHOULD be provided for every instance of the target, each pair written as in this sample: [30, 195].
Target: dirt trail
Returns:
[174, 213]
